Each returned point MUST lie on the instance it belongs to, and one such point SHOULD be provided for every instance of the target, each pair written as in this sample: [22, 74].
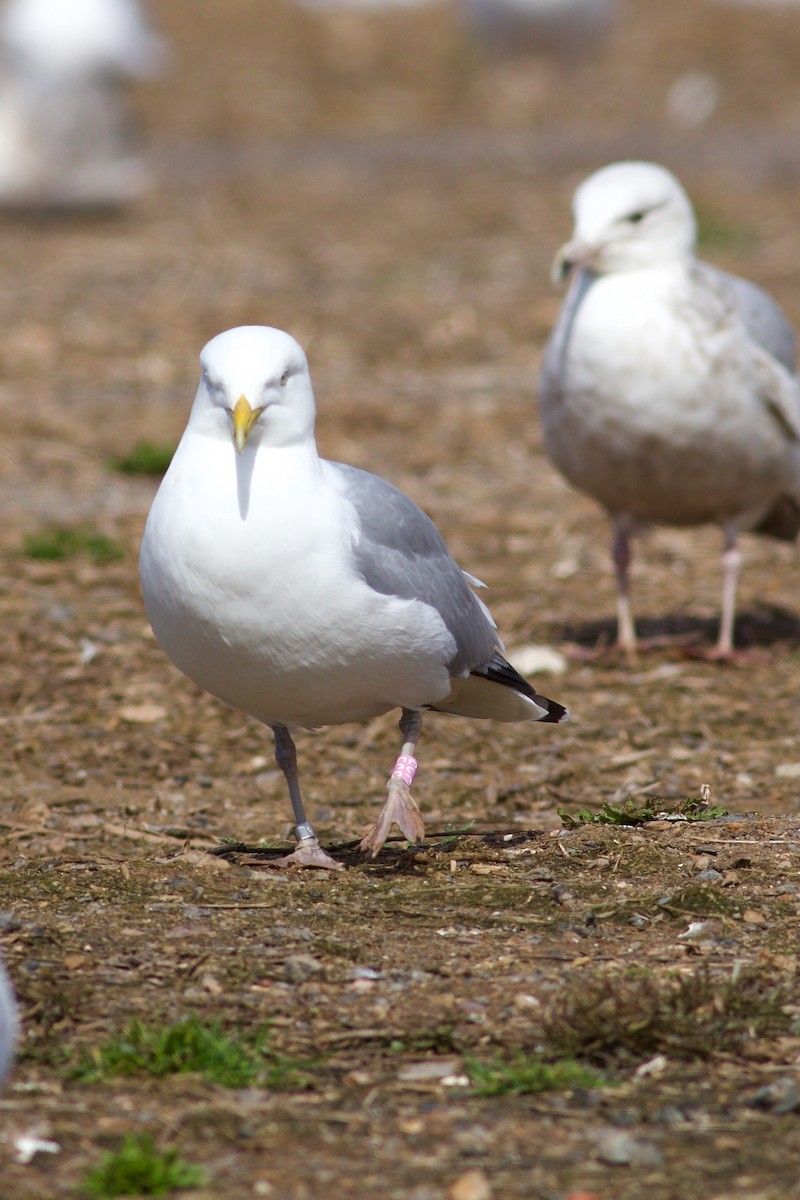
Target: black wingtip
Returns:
[499, 670]
[556, 713]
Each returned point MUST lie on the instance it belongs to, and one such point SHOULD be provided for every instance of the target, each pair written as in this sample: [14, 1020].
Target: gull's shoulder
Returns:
[763, 318]
[399, 551]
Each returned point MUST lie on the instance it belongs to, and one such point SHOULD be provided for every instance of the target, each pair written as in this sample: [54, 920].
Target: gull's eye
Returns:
[635, 217]
[285, 377]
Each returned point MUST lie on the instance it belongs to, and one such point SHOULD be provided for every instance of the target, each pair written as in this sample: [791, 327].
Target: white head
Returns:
[628, 216]
[254, 388]
[82, 37]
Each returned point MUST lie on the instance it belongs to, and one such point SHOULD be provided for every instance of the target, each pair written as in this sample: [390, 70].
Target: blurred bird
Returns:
[555, 26]
[8, 1024]
[668, 389]
[65, 133]
[310, 593]
[82, 38]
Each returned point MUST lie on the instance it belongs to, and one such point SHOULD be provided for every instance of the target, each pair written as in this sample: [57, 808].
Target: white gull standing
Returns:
[307, 592]
[65, 129]
[668, 389]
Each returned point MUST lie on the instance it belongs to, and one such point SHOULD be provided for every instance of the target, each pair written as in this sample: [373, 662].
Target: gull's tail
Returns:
[497, 692]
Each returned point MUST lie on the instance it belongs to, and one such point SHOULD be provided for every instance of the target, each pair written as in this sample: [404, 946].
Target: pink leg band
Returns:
[405, 768]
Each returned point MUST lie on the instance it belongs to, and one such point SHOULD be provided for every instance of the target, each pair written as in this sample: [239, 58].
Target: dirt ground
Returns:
[393, 195]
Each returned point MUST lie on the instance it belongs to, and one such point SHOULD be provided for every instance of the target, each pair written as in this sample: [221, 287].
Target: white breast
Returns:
[656, 412]
[251, 590]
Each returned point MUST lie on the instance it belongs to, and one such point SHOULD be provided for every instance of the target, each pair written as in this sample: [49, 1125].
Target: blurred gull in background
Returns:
[65, 134]
[556, 26]
[8, 1024]
[668, 388]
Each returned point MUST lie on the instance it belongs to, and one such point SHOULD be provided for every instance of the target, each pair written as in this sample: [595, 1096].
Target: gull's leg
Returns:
[731, 563]
[400, 807]
[621, 553]
[309, 853]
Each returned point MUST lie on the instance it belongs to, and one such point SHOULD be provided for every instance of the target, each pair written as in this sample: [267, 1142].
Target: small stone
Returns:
[487, 868]
[621, 1149]
[142, 714]
[653, 1066]
[542, 874]
[363, 973]
[780, 1097]
[538, 660]
[561, 894]
[752, 916]
[430, 1070]
[472, 1185]
[700, 931]
[298, 968]
[709, 876]
[702, 862]
[787, 889]
[790, 770]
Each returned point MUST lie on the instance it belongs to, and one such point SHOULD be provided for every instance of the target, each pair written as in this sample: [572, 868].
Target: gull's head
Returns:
[254, 387]
[628, 216]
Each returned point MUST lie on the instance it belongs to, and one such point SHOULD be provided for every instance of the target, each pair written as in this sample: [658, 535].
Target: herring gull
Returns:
[668, 390]
[307, 592]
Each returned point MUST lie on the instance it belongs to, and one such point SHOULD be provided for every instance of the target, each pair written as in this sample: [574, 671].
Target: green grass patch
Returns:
[525, 1074]
[61, 542]
[635, 1014]
[191, 1045]
[137, 1168]
[639, 812]
[146, 458]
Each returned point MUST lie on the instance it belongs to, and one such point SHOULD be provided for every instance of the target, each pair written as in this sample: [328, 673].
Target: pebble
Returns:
[472, 1185]
[780, 1097]
[790, 770]
[653, 1066]
[297, 968]
[618, 1148]
[538, 660]
[699, 931]
[429, 1070]
[709, 876]
[142, 714]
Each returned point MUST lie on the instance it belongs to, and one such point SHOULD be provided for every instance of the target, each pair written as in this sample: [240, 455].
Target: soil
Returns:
[393, 194]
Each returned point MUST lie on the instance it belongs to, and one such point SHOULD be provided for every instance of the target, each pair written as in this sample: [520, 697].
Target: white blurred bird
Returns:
[306, 592]
[9, 1025]
[668, 389]
[82, 38]
[65, 132]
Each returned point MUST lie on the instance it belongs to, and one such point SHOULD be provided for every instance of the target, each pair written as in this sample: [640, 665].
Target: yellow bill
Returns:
[244, 418]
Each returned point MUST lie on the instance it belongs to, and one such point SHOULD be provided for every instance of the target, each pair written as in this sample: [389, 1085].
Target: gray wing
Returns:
[763, 317]
[400, 552]
[772, 342]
